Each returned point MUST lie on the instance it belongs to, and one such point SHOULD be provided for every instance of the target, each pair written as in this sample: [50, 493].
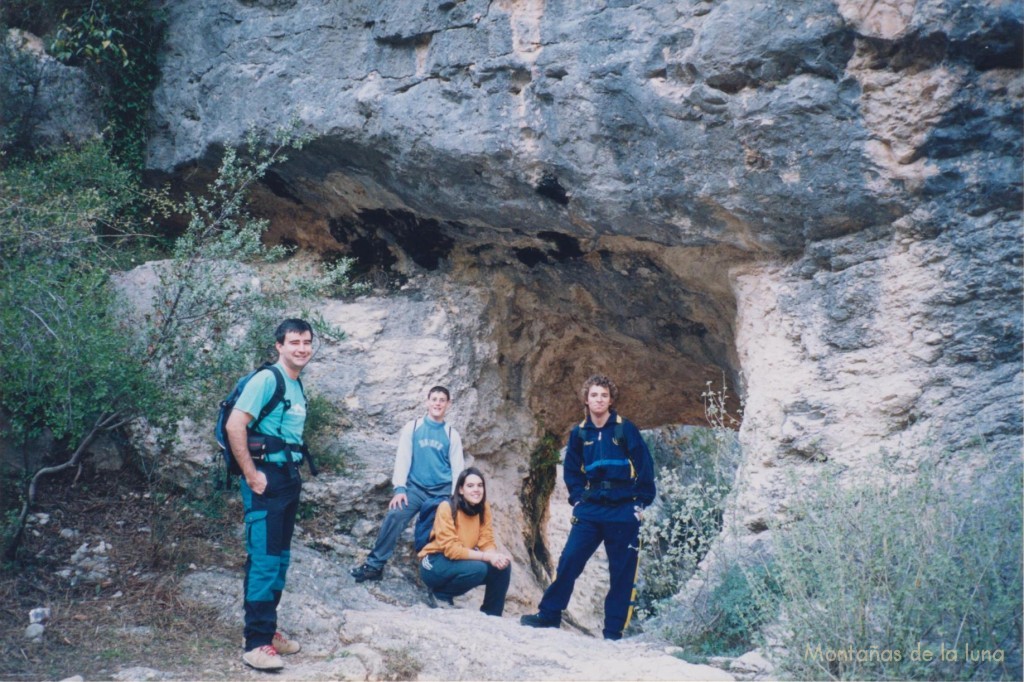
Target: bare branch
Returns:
[83, 446]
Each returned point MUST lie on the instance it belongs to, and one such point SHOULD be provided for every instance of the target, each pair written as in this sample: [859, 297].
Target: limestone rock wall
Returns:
[819, 200]
[43, 103]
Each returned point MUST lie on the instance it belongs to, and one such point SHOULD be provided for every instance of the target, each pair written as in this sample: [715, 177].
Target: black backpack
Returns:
[228, 404]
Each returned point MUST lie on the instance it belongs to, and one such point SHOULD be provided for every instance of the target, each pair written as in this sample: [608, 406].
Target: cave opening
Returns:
[660, 333]
[561, 304]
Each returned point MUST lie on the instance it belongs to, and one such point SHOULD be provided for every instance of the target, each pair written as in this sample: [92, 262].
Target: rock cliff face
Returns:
[819, 200]
[43, 103]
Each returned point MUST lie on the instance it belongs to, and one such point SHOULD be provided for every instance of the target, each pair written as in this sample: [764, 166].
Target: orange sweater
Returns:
[455, 540]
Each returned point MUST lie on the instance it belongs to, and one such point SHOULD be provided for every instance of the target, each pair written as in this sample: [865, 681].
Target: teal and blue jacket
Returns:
[608, 470]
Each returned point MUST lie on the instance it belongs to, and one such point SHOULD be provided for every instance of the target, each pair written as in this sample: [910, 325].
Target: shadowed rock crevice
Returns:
[422, 240]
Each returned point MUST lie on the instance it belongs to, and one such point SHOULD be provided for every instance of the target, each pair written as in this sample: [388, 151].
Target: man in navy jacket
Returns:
[610, 476]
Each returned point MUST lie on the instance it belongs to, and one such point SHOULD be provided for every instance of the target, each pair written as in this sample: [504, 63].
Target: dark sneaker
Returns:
[535, 620]
[439, 601]
[263, 658]
[367, 572]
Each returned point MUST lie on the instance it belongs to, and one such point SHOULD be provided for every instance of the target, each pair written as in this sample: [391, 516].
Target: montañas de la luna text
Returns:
[877, 654]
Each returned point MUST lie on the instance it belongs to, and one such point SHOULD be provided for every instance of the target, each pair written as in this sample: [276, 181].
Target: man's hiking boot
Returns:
[263, 658]
[439, 601]
[367, 572]
[536, 620]
[285, 646]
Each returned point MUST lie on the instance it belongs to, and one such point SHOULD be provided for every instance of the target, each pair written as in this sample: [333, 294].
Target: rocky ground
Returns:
[148, 587]
[386, 631]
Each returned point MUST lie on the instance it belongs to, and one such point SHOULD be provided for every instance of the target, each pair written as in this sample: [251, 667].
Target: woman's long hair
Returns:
[457, 502]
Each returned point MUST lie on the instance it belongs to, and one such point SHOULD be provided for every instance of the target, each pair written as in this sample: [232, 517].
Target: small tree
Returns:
[62, 349]
[75, 365]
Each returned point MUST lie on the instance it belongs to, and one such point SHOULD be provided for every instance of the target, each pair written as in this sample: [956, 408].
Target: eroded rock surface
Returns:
[818, 200]
[45, 104]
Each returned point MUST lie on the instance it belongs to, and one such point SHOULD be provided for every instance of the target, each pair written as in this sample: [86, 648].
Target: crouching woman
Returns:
[461, 553]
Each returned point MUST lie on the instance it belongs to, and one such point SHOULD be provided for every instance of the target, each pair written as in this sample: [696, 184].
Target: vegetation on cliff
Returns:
[116, 42]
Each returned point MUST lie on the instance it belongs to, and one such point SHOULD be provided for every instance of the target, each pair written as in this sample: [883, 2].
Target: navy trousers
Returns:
[395, 522]
[269, 525]
[449, 578]
[621, 542]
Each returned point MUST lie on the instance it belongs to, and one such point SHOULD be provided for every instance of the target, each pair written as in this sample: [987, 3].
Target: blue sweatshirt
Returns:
[429, 456]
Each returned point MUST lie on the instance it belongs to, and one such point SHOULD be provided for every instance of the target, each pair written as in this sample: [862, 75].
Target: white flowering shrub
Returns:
[693, 484]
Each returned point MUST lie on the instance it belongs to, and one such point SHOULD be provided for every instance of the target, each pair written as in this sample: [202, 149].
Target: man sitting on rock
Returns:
[427, 466]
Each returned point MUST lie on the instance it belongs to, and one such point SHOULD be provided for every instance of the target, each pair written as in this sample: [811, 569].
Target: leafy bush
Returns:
[877, 573]
[63, 351]
[323, 420]
[676, 534]
[67, 206]
[67, 359]
[63, 356]
[696, 470]
[118, 42]
[534, 496]
[738, 608]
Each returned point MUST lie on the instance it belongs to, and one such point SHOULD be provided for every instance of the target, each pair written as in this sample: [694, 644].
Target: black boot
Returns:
[367, 572]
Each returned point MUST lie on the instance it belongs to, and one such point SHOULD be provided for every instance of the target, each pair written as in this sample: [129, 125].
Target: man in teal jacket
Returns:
[270, 491]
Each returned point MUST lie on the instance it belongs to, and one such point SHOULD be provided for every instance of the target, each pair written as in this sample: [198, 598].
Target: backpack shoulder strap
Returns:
[619, 440]
[275, 399]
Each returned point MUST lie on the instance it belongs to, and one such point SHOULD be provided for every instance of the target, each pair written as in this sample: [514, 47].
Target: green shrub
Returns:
[75, 363]
[676, 534]
[737, 609]
[534, 496]
[324, 420]
[66, 206]
[118, 42]
[876, 573]
[400, 664]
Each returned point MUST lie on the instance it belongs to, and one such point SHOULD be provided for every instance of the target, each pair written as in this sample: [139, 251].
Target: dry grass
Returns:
[135, 617]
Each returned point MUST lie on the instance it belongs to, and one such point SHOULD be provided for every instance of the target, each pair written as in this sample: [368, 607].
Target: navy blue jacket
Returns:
[606, 476]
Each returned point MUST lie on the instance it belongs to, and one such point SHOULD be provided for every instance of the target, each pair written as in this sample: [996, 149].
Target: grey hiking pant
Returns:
[396, 521]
